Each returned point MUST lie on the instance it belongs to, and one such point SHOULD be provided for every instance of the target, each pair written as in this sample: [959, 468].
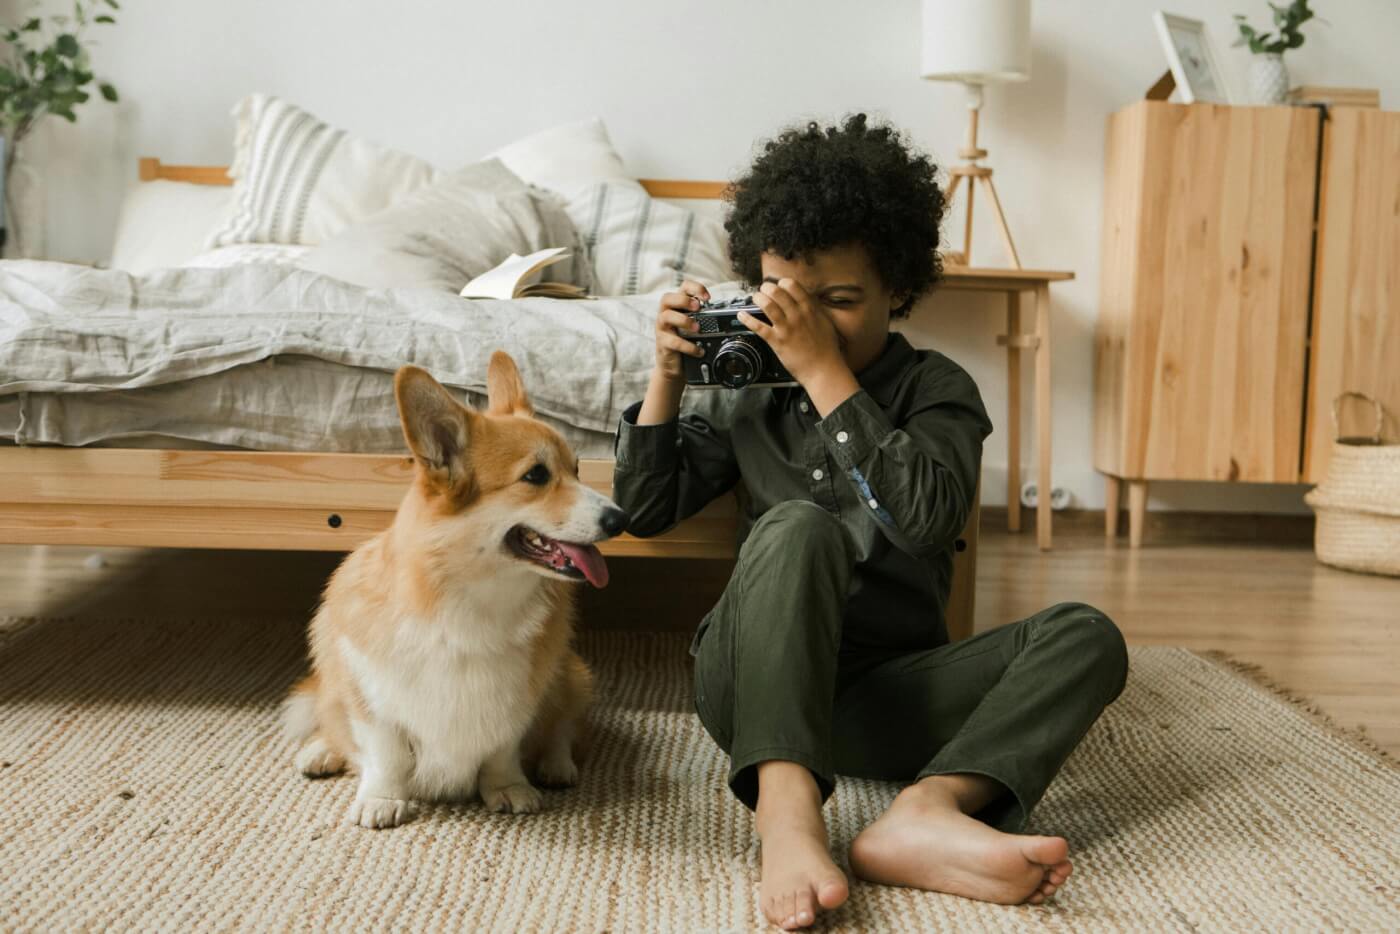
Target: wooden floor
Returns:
[1326, 634]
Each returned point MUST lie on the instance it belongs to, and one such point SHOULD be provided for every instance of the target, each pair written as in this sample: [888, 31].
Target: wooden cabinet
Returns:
[1356, 307]
[1211, 284]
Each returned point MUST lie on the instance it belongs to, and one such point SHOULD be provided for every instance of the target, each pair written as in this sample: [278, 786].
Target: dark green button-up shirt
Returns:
[897, 463]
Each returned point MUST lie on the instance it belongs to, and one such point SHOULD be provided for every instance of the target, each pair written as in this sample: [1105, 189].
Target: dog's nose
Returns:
[613, 521]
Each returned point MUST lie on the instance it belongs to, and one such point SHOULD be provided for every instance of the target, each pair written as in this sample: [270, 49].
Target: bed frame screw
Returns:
[333, 521]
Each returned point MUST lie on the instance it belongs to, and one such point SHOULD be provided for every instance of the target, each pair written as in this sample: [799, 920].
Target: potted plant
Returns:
[44, 69]
[1268, 76]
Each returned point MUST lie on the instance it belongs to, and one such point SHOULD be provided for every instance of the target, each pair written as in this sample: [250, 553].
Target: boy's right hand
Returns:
[672, 323]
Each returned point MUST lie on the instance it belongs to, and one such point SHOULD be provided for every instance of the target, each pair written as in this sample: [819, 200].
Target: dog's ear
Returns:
[436, 426]
[505, 392]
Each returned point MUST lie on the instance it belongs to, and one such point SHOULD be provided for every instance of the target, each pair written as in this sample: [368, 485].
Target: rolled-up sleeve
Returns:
[668, 472]
[917, 478]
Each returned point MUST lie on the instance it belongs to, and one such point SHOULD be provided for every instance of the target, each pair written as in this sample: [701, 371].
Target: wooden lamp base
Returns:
[976, 174]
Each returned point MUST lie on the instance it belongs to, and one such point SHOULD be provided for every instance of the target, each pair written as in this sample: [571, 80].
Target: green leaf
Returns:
[112, 3]
[67, 45]
[108, 92]
[31, 26]
[7, 78]
[104, 18]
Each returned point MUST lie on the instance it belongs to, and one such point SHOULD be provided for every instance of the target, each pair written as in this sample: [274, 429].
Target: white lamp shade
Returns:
[977, 41]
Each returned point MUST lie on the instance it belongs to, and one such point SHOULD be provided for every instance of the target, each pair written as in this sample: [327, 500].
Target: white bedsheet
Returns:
[276, 358]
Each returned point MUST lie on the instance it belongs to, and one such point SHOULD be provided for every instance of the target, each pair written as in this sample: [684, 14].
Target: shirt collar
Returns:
[883, 377]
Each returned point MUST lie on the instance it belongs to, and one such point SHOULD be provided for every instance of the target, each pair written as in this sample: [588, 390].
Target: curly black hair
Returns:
[817, 187]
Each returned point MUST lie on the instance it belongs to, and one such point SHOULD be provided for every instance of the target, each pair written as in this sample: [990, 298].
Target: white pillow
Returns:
[164, 223]
[637, 244]
[299, 180]
[446, 234]
[567, 158]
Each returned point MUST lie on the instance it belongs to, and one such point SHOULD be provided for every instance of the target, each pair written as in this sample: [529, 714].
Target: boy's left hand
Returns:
[801, 334]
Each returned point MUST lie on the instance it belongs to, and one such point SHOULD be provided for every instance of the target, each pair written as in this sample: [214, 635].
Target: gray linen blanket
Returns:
[278, 358]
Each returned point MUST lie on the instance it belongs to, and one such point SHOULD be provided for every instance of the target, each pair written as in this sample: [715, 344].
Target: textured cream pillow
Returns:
[567, 158]
[443, 235]
[164, 223]
[638, 244]
[299, 180]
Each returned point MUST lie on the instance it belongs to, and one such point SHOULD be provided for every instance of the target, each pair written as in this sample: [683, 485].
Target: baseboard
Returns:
[1175, 527]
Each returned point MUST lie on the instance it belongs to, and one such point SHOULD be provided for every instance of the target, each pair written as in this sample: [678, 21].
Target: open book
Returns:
[507, 280]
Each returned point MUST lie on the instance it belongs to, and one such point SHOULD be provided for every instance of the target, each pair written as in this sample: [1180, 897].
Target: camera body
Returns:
[735, 357]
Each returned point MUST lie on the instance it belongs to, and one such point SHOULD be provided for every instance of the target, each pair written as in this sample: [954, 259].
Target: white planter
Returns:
[1268, 78]
[25, 212]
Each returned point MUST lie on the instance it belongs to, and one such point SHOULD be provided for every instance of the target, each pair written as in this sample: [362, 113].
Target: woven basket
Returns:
[1358, 503]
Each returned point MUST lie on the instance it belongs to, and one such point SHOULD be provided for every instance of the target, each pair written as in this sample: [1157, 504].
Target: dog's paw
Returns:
[317, 760]
[520, 798]
[557, 771]
[380, 813]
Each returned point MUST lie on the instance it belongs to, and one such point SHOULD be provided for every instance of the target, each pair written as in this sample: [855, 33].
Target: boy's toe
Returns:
[806, 908]
[787, 909]
[832, 893]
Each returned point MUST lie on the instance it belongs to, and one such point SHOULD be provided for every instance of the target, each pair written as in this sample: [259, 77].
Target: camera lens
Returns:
[737, 364]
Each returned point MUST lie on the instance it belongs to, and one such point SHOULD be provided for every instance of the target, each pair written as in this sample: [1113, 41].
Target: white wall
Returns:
[686, 88]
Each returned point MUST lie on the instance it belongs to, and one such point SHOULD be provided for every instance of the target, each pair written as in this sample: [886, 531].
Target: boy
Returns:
[828, 651]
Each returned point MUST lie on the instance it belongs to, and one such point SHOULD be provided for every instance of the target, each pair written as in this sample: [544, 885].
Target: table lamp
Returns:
[976, 42]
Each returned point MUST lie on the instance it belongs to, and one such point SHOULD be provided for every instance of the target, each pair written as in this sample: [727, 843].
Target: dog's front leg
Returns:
[386, 769]
[503, 784]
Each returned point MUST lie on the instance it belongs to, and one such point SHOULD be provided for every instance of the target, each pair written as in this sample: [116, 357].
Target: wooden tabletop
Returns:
[985, 277]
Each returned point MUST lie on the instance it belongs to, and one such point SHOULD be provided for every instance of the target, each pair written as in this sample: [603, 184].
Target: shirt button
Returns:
[874, 504]
[817, 474]
[803, 405]
[842, 437]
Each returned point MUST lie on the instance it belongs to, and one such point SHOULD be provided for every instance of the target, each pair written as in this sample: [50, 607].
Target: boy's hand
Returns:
[804, 339]
[671, 323]
[663, 398]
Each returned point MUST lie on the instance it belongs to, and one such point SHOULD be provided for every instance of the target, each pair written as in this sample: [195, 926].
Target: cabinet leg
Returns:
[1112, 497]
[1137, 511]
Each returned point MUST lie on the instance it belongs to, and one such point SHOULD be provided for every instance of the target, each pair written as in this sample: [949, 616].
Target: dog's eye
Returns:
[538, 475]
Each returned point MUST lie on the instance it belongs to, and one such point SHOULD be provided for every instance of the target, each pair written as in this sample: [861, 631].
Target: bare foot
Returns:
[799, 876]
[925, 841]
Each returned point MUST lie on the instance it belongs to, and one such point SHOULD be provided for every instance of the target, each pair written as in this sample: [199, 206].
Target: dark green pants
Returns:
[772, 681]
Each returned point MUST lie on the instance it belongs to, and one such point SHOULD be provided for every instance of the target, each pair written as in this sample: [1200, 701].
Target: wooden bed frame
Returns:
[298, 501]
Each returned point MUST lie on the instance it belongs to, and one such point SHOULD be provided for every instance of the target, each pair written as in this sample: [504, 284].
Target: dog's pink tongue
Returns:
[589, 560]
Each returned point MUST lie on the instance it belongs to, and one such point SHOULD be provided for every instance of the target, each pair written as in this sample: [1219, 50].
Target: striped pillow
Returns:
[298, 180]
[637, 244]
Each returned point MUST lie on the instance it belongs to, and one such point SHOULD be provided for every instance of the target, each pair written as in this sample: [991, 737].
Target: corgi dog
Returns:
[441, 654]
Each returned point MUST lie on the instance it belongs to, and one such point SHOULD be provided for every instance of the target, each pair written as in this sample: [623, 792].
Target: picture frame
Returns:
[1191, 57]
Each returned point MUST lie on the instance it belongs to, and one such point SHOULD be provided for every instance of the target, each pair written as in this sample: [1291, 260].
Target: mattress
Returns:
[274, 358]
[282, 403]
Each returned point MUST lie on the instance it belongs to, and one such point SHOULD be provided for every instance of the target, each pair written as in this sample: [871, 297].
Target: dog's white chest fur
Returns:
[458, 687]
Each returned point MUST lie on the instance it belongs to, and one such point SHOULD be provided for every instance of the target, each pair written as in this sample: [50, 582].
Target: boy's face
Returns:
[844, 285]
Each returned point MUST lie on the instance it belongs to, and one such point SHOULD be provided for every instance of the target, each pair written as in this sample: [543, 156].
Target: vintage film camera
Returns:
[735, 357]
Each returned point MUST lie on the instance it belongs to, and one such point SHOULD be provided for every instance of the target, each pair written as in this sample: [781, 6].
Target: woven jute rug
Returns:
[145, 785]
